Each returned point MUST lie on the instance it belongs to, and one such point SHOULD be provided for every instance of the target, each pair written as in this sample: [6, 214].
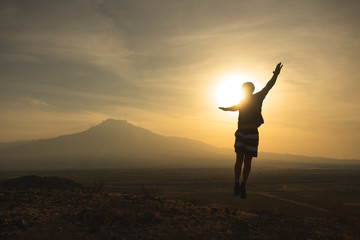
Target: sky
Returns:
[164, 64]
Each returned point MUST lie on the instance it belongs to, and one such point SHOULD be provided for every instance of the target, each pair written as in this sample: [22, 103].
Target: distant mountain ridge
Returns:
[113, 143]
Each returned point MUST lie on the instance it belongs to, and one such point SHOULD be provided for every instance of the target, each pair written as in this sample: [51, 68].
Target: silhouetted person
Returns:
[247, 135]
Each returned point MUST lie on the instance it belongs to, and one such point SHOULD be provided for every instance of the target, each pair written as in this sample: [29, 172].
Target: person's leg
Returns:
[246, 172]
[247, 167]
[237, 167]
[237, 171]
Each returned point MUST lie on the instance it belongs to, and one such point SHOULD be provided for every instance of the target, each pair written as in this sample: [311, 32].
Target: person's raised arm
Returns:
[232, 108]
[272, 81]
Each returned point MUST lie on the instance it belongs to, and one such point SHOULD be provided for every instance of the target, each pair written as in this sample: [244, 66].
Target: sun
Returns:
[228, 90]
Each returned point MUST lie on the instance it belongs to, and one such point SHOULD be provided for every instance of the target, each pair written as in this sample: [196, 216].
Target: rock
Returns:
[27, 183]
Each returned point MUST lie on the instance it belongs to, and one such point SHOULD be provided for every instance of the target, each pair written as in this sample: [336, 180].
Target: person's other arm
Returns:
[272, 81]
[232, 108]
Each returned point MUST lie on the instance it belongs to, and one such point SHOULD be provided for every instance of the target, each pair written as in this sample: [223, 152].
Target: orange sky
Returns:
[159, 64]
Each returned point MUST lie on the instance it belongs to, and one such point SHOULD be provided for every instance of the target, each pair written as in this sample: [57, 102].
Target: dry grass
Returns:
[144, 215]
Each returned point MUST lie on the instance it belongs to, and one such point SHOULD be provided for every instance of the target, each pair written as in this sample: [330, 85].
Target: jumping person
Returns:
[247, 135]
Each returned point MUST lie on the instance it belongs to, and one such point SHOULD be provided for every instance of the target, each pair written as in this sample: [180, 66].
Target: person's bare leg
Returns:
[247, 167]
[237, 167]
[246, 172]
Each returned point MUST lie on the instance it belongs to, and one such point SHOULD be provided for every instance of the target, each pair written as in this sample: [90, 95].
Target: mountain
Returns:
[113, 143]
[119, 144]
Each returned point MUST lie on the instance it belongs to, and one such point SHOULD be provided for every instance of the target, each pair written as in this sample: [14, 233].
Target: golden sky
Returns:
[160, 64]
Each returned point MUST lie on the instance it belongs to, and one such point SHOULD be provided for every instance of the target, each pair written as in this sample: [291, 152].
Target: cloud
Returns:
[73, 31]
[37, 102]
[17, 57]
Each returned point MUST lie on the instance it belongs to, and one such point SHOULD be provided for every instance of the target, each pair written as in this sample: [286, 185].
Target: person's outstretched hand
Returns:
[278, 68]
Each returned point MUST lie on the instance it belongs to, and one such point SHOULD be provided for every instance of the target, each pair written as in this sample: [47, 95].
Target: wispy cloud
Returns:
[36, 102]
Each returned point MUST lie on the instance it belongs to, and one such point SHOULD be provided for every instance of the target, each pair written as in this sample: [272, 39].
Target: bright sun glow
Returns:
[228, 90]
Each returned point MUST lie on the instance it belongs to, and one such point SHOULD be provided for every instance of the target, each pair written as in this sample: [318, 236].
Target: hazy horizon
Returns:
[167, 67]
[111, 127]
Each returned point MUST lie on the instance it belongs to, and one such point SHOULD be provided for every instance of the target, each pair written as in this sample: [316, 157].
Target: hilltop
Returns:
[38, 183]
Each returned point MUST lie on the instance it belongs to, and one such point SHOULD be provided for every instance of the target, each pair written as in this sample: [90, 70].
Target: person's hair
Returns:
[248, 87]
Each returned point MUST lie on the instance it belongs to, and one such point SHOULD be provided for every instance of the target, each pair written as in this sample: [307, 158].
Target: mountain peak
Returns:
[111, 121]
[112, 125]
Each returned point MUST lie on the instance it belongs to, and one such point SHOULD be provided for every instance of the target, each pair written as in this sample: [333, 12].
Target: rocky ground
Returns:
[96, 214]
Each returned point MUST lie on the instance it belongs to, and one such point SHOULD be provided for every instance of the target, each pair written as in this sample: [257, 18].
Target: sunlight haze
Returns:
[228, 91]
[167, 66]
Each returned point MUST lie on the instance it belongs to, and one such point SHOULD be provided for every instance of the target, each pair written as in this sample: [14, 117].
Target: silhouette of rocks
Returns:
[39, 183]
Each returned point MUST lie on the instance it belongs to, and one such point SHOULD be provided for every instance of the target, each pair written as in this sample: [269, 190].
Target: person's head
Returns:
[248, 88]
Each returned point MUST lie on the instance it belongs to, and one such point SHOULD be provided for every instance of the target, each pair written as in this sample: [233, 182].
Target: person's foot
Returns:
[236, 190]
[242, 190]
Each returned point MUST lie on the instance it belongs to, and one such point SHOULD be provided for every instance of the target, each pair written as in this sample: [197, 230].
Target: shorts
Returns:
[247, 141]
